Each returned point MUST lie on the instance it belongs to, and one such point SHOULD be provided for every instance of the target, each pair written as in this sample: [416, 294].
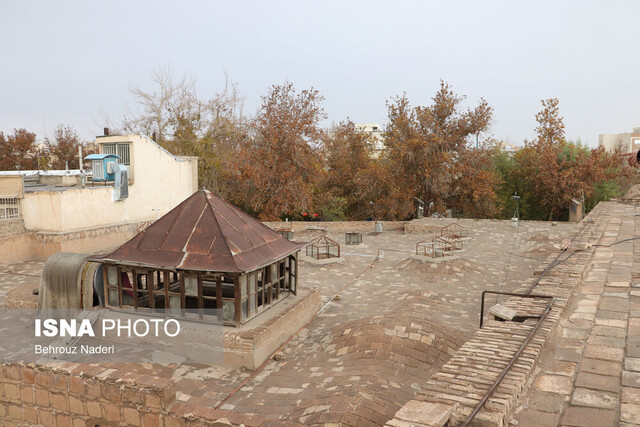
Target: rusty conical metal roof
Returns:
[205, 233]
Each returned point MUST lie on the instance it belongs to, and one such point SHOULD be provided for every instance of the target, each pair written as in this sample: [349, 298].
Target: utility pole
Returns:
[516, 198]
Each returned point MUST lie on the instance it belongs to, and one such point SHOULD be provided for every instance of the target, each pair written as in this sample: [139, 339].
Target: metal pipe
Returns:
[504, 372]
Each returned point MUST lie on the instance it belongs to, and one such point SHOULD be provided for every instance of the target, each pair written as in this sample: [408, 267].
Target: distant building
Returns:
[376, 131]
[510, 149]
[627, 142]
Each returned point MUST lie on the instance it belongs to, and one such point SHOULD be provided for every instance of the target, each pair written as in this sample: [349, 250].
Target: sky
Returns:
[73, 62]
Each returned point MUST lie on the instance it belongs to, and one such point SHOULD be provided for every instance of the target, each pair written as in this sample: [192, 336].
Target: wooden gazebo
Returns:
[203, 254]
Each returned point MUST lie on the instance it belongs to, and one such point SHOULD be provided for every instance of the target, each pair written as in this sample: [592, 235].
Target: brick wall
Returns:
[68, 396]
[339, 226]
[250, 348]
[74, 395]
[11, 226]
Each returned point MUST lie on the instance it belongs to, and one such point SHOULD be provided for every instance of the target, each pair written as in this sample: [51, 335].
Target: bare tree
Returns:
[106, 121]
[159, 110]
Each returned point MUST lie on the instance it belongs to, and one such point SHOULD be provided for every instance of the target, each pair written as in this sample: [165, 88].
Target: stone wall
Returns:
[250, 348]
[30, 246]
[12, 226]
[66, 394]
[338, 226]
[434, 225]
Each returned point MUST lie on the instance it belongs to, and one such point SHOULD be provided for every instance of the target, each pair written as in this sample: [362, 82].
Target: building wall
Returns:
[375, 130]
[17, 248]
[611, 142]
[11, 185]
[625, 141]
[162, 181]
[27, 246]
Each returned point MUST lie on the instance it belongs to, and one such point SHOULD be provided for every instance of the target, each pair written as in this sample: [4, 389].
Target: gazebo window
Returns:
[252, 293]
[191, 300]
[111, 281]
[159, 289]
[239, 297]
[142, 291]
[209, 294]
[126, 288]
[293, 272]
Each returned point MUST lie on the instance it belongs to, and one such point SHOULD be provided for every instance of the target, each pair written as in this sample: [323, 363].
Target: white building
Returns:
[376, 132]
[627, 142]
[50, 211]
[510, 149]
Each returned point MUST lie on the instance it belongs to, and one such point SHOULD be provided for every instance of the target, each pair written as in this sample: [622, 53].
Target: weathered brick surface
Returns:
[79, 395]
[328, 374]
[599, 330]
[472, 370]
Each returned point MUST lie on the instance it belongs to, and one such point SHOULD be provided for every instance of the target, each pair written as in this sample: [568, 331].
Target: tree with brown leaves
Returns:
[475, 181]
[63, 147]
[423, 149]
[551, 171]
[18, 151]
[348, 156]
[280, 166]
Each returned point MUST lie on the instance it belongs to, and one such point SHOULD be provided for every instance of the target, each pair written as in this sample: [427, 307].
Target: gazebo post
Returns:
[295, 286]
[134, 286]
[237, 297]
[166, 281]
[182, 300]
[219, 296]
[119, 277]
[150, 286]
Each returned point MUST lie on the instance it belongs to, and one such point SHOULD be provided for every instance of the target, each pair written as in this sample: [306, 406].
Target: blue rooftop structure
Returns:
[100, 166]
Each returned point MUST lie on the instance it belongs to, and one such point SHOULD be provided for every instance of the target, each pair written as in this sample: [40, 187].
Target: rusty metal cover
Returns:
[205, 233]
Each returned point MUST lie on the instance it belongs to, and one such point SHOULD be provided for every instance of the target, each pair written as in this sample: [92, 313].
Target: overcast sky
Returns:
[66, 61]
